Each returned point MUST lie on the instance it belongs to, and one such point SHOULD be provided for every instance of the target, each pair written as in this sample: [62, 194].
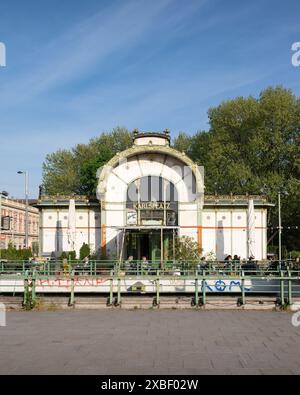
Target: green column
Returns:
[196, 292]
[157, 291]
[204, 290]
[33, 293]
[290, 296]
[119, 292]
[281, 289]
[166, 247]
[111, 291]
[26, 290]
[72, 295]
[243, 288]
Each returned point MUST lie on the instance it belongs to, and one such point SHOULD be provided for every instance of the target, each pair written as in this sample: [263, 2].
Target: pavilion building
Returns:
[147, 196]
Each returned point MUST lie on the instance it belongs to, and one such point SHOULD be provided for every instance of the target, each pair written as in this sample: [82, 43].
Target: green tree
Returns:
[59, 173]
[186, 249]
[183, 142]
[74, 171]
[84, 251]
[253, 145]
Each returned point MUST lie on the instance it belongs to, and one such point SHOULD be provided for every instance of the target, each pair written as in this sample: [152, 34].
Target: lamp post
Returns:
[5, 194]
[279, 226]
[25, 172]
[285, 193]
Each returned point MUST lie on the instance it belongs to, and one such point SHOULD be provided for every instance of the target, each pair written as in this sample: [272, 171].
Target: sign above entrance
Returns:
[153, 206]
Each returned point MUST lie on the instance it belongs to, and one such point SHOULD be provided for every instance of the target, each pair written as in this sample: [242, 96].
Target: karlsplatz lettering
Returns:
[118, 385]
[152, 206]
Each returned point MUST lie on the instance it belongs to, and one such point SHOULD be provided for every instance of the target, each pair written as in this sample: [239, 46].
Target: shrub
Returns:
[70, 255]
[84, 251]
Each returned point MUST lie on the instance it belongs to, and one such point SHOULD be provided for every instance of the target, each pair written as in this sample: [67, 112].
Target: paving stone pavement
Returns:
[149, 342]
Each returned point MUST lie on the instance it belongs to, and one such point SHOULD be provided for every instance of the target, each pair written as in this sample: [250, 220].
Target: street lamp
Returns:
[284, 192]
[25, 172]
[279, 220]
[2, 194]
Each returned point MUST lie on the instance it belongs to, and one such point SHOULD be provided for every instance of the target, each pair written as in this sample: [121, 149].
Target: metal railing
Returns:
[196, 278]
[285, 287]
[141, 268]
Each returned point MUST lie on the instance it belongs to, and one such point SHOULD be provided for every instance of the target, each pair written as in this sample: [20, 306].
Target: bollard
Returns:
[290, 294]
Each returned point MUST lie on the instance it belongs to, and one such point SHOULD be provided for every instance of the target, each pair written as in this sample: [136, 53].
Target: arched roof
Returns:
[148, 149]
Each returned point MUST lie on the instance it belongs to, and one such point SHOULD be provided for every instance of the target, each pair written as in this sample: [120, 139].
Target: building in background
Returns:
[144, 202]
[12, 213]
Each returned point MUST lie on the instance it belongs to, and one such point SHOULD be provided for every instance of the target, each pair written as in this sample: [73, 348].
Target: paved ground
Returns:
[149, 342]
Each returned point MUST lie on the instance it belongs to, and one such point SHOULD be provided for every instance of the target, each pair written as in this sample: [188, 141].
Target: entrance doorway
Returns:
[148, 243]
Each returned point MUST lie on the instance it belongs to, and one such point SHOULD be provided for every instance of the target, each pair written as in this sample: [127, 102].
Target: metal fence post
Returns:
[281, 288]
[204, 290]
[290, 294]
[26, 290]
[72, 296]
[33, 293]
[196, 292]
[119, 292]
[111, 291]
[157, 291]
[243, 288]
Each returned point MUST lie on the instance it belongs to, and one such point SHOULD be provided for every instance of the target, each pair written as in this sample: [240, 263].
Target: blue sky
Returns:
[77, 68]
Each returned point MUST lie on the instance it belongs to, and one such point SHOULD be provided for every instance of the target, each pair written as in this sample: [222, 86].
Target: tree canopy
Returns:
[253, 146]
[74, 171]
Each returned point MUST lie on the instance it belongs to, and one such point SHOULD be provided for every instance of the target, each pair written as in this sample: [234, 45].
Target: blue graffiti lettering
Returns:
[220, 285]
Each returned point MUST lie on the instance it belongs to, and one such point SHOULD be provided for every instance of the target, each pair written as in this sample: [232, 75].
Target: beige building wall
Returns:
[15, 210]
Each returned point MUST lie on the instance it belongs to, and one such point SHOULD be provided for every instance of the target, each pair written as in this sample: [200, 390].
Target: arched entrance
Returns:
[152, 218]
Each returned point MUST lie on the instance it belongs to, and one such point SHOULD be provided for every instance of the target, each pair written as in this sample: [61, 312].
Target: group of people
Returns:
[132, 265]
[236, 258]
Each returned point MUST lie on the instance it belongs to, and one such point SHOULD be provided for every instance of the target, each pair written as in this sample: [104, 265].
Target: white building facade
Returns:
[147, 197]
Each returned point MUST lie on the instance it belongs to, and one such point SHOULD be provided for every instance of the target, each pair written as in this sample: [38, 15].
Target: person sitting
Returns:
[129, 264]
[144, 264]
